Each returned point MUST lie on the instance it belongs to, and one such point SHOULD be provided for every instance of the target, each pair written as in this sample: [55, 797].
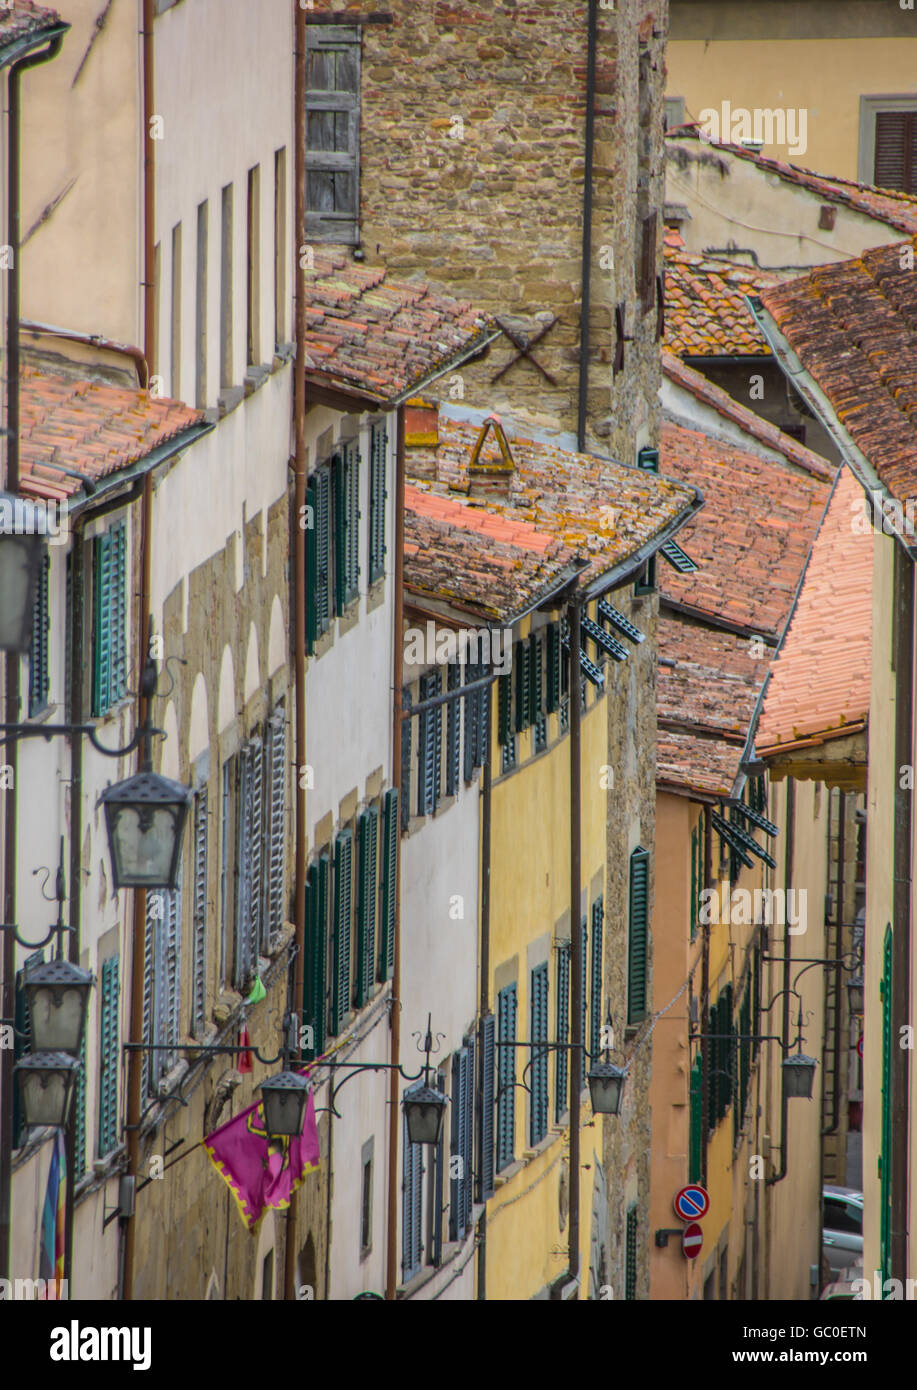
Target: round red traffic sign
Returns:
[860, 1047]
[691, 1241]
[692, 1202]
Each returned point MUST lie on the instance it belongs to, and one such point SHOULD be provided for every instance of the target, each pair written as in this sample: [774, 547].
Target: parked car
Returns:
[843, 1288]
[842, 1227]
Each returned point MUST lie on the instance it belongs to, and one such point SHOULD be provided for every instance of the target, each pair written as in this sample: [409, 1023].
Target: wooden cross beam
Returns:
[524, 347]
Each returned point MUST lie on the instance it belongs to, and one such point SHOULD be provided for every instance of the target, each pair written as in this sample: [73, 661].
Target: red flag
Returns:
[245, 1058]
[262, 1174]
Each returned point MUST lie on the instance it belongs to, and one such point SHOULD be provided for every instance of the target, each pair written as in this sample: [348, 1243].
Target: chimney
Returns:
[491, 477]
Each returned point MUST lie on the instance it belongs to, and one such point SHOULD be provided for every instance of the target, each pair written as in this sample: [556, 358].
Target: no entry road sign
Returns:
[692, 1202]
[692, 1240]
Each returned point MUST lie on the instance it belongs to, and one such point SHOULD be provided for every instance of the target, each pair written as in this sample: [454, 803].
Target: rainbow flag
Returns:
[54, 1221]
[262, 1175]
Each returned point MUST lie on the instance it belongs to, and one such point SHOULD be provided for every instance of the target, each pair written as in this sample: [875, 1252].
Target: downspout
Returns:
[705, 999]
[576, 945]
[903, 650]
[391, 1272]
[12, 663]
[586, 255]
[484, 966]
[299, 588]
[833, 978]
[787, 963]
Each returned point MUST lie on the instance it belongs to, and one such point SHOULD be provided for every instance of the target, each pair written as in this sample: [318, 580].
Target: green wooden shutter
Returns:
[390, 837]
[109, 1057]
[430, 739]
[885, 1153]
[406, 756]
[102, 653]
[638, 936]
[352, 456]
[324, 585]
[584, 943]
[468, 1081]
[461, 1082]
[118, 612]
[377, 498]
[553, 646]
[314, 977]
[38, 651]
[695, 1153]
[538, 1112]
[595, 1034]
[523, 661]
[366, 909]
[506, 1077]
[258, 849]
[312, 601]
[630, 1254]
[343, 901]
[562, 1030]
[453, 730]
[505, 708]
[79, 1116]
[486, 1128]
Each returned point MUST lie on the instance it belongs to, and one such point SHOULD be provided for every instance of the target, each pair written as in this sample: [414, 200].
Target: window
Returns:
[109, 1057]
[595, 1029]
[175, 314]
[722, 1057]
[562, 1030]
[462, 1140]
[332, 540]
[647, 286]
[249, 862]
[109, 671]
[333, 134]
[554, 667]
[319, 595]
[584, 966]
[488, 1065]
[630, 1253]
[343, 928]
[275, 849]
[315, 988]
[477, 721]
[406, 736]
[253, 267]
[536, 694]
[226, 362]
[888, 142]
[199, 946]
[280, 247]
[505, 716]
[366, 1198]
[523, 674]
[506, 1077]
[453, 730]
[200, 309]
[161, 984]
[39, 681]
[429, 751]
[79, 1117]
[538, 1126]
[227, 833]
[377, 497]
[673, 112]
[368, 837]
[840, 1215]
[411, 1202]
[390, 844]
[346, 469]
[638, 936]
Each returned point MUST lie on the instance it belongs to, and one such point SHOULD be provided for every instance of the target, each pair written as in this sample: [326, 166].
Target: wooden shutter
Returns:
[471, 724]
[312, 581]
[460, 1083]
[38, 651]
[538, 1126]
[595, 1035]
[453, 730]
[321, 521]
[648, 262]
[149, 1062]
[343, 901]
[366, 908]
[505, 709]
[553, 645]
[562, 1030]
[430, 736]
[199, 964]
[406, 738]
[171, 989]
[488, 1027]
[109, 1057]
[333, 134]
[390, 839]
[468, 1128]
[694, 882]
[352, 465]
[896, 150]
[523, 686]
[885, 1132]
[102, 655]
[584, 947]
[79, 1117]
[695, 1153]
[630, 1254]
[638, 936]
[339, 516]
[243, 956]
[314, 975]
[118, 612]
[277, 845]
[377, 499]
[506, 1077]
[258, 855]
[411, 1204]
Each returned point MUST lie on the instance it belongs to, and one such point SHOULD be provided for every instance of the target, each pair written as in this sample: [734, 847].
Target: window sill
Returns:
[508, 1173]
[42, 715]
[229, 398]
[255, 377]
[375, 594]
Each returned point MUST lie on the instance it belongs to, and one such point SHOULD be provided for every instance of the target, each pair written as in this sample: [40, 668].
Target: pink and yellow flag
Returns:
[262, 1174]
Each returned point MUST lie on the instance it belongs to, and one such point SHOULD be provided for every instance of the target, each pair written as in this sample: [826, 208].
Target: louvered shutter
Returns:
[199, 964]
[471, 724]
[339, 511]
[506, 1077]
[314, 974]
[648, 262]
[630, 1254]
[458, 1143]
[79, 1117]
[523, 686]
[595, 1036]
[377, 499]
[102, 654]
[886, 1109]
[896, 150]
[563, 1030]
[119, 613]
[108, 1057]
[390, 836]
[38, 651]
[243, 955]
[366, 907]
[539, 1070]
[312, 581]
[505, 709]
[412, 1203]
[150, 1060]
[488, 1027]
[484, 721]
[695, 1156]
[453, 730]
[638, 936]
[406, 728]
[584, 950]
[277, 852]
[352, 456]
[22, 1038]
[468, 1128]
[257, 847]
[324, 585]
[713, 1096]
[333, 134]
[694, 882]
[553, 646]
[172, 974]
[430, 736]
[438, 1180]
[343, 900]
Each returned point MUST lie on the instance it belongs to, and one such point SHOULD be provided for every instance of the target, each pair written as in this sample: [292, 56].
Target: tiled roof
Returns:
[755, 425]
[898, 210]
[89, 427]
[705, 310]
[705, 765]
[854, 327]
[819, 684]
[23, 18]
[752, 536]
[597, 509]
[490, 565]
[377, 336]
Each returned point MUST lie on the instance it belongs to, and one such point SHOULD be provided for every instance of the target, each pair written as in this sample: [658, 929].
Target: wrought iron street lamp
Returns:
[606, 1083]
[425, 1107]
[798, 1075]
[284, 1099]
[145, 818]
[47, 1081]
[22, 530]
[57, 994]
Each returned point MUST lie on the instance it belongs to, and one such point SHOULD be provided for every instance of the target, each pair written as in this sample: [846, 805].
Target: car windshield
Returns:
[840, 1215]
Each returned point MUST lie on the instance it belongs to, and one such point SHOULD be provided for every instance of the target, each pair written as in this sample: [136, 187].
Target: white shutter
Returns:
[275, 915]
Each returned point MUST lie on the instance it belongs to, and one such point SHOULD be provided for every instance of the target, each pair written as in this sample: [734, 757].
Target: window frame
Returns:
[870, 107]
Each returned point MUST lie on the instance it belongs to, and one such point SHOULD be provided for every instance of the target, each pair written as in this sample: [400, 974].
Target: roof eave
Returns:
[631, 565]
[125, 477]
[27, 43]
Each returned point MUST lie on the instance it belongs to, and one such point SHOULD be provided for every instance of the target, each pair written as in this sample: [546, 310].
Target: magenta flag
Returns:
[261, 1174]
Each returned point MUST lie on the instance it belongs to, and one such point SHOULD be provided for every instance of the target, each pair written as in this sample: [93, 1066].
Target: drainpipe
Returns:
[576, 945]
[299, 588]
[787, 964]
[586, 256]
[484, 1001]
[833, 978]
[391, 1271]
[705, 999]
[12, 664]
[903, 651]
[149, 193]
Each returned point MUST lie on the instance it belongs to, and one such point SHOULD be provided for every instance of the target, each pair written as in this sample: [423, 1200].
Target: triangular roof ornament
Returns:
[507, 466]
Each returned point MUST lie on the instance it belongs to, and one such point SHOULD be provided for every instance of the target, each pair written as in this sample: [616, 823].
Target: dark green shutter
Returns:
[506, 1077]
[377, 497]
[453, 730]
[430, 739]
[638, 936]
[595, 1036]
[108, 1058]
[406, 740]
[584, 940]
[562, 1030]
[343, 901]
[312, 599]
[553, 645]
[339, 476]
[697, 1122]
[314, 981]
[538, 1126]
[461, 1081]
[366, 911]
[38, 651]
[486, 1128]
[79, 1116]
[630, 1254]
[505, 708]
[885, 1153]
[352, 455]
[523, 659]
[102, 655]
[390, 834]
[119, 613]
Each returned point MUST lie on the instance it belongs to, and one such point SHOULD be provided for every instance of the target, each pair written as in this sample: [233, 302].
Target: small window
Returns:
[200, 309]
[280, 247]
[253, 268]
[366, 1199]
[888, 142]
[674, 112]
[175, 314]
[226, 307]
[333, 134]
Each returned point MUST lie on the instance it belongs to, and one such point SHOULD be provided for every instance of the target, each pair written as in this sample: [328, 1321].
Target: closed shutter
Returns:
[314, 976]
[436, 1254]
[539, 1070]
[352, 464]
[38, 651]
[472, 724]
[695, 1155]
[595, 1034]
[630, 1254]
[506, 1077]
[150, 1060]
[22, 1037]
[199, 964]
[562, 1030]
[323, 565]
[484, 721]
[333, 134]
[340, 506]
[453, 730]
[108, 1057]
[468, 1151]
[366, 908]
[171, 1013]
[584, 946]
[390, 839]
[118, 613]
[68, 635]
[885, 1152]
[536, 691]
[648, 263]
[411, 1204]
[638, 936]
[459, 1143]
[277, 848]
[377, 499]
[553, 646]
[523, 686]
[694, 881]
[101, 666]
[896, 150]
[258, 853]
[312, 602]
[343, 901]
[486, 1129]
[430, 736]
[79, 1117]
[713, 1089]
[406, 739]
[243, 869]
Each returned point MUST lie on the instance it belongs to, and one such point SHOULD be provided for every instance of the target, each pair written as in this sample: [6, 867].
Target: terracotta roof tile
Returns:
[705, 765]
[706, 314]
[23, 18]
[381, 337]
[89, 427]
[820, 679]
